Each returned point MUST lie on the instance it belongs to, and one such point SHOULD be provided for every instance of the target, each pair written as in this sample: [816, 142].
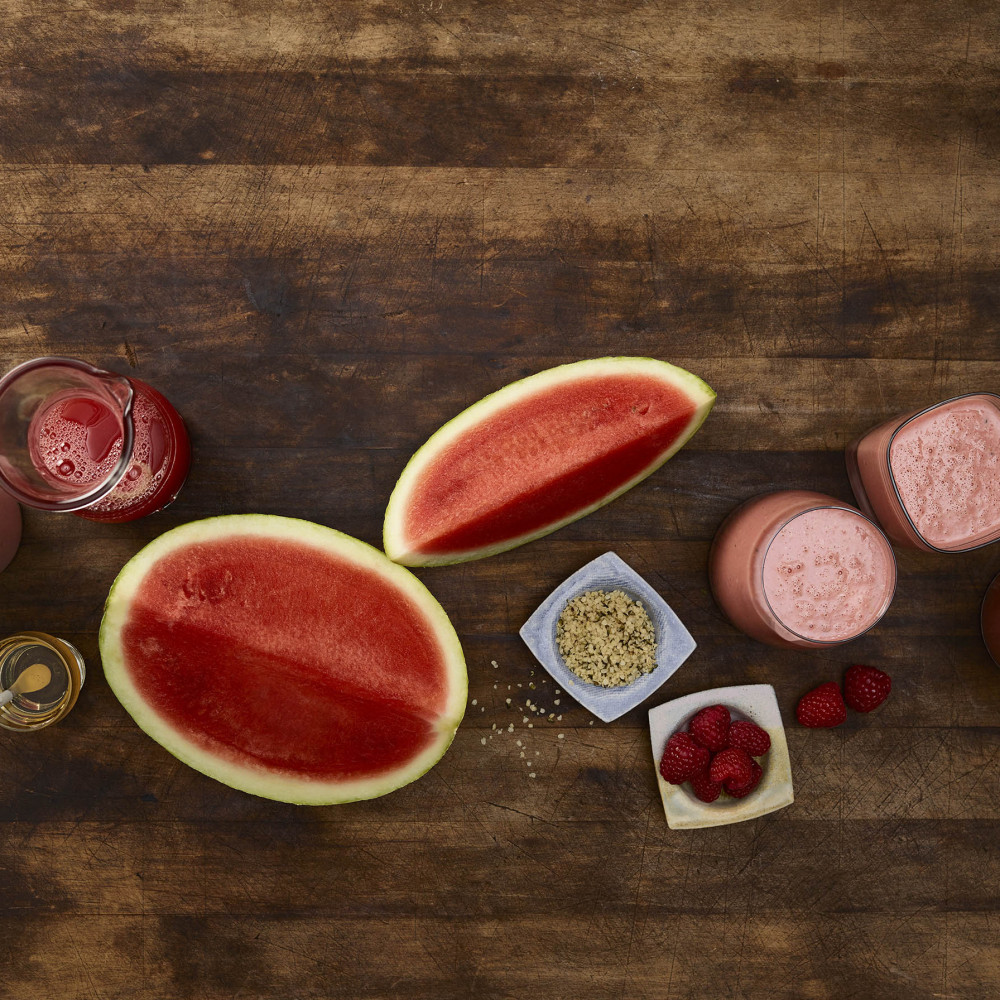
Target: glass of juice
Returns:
[801, 569]
[76, 438]
[932, 478]
[991, 620]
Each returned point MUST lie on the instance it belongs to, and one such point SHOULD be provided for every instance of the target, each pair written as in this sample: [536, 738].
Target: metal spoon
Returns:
[32, 678]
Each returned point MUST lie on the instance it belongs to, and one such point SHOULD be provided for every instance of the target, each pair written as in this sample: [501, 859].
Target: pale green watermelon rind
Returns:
[393, 534]
[254, 779]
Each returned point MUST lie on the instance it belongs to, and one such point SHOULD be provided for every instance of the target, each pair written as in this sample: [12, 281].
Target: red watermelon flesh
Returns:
[284, 658]
[561, 443]
[250, 684]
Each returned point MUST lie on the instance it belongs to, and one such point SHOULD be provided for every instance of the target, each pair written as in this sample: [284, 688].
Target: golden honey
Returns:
[41, 708]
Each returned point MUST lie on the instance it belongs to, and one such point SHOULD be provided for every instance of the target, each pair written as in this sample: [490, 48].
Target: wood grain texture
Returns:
[321, 229]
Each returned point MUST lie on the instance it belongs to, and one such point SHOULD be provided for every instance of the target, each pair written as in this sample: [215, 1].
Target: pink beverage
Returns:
[801, 569]
[932, 478]
[991, 620]
[76, 438]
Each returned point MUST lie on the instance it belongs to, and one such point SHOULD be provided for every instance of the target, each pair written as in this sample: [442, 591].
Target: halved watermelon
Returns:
[538, 454]
[284, 658]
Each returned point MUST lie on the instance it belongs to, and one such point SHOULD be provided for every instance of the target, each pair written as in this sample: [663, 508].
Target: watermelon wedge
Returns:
[284, 658]
[538, 454]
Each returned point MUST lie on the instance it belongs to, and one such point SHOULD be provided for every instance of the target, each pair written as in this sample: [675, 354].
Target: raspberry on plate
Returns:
[866, 688]
[742, 791]
[822, 708]
[702, 803]
[710, 727]
[750, 737]
[682, 759]
[704, 788]
[731, 765]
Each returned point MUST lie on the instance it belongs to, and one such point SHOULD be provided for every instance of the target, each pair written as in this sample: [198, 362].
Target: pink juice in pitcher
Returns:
[78, 438]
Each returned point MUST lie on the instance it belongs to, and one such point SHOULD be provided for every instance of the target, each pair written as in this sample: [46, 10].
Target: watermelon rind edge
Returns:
[257, 780]
[393, 536]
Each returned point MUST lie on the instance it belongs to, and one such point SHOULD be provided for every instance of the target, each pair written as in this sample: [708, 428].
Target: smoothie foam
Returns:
[828, 574]
[946, 466]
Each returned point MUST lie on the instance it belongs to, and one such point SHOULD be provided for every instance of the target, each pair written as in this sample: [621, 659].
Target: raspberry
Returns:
[750, 737]
[731, 765]
[710, 727]
[742, 791]
[866, 688]
[821, 708]
[682, 758]
[704, 788]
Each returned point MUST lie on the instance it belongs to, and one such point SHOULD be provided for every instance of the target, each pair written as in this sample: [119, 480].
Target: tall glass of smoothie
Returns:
[932, 478]
[991, 620]
[76, 438]
[796, 568]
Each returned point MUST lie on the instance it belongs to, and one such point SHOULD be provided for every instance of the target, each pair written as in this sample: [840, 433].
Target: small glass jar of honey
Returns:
[40, 680]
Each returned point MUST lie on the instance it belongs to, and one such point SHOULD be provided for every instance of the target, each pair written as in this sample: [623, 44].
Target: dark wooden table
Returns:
[323, 228]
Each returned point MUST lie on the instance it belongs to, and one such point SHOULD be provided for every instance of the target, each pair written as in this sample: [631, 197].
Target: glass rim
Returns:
[892, 478]
[892, 562]
[128, 436]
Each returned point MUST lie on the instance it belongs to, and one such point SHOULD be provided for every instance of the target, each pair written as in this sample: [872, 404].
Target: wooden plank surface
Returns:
[321, 229]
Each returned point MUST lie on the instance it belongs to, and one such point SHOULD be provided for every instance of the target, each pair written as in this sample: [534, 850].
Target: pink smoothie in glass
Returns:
[933, 478]
[797, 568]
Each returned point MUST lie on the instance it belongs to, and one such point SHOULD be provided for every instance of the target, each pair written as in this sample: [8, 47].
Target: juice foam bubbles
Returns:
[151, 455]
[827, 574]
[75, 440]
[946, 467]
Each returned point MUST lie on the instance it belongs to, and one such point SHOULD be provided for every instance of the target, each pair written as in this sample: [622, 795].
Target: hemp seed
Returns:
[606, 638]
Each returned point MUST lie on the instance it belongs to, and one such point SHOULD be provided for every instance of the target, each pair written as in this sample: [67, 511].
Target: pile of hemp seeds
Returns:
[606, 638]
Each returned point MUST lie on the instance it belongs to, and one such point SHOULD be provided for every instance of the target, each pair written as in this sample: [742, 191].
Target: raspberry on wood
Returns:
[865, 688]
[822, 708]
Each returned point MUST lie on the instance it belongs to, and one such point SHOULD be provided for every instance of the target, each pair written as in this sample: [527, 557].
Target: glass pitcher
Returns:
[76, 438]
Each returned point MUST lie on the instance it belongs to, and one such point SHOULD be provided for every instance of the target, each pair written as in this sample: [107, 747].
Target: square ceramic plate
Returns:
[608, 572]
[755, 702]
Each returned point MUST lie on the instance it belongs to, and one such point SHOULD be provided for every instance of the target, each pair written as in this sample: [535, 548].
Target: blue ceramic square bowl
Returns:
[608, 572]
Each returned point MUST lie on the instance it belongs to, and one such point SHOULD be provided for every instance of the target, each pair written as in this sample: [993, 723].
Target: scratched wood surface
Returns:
[321, 229]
